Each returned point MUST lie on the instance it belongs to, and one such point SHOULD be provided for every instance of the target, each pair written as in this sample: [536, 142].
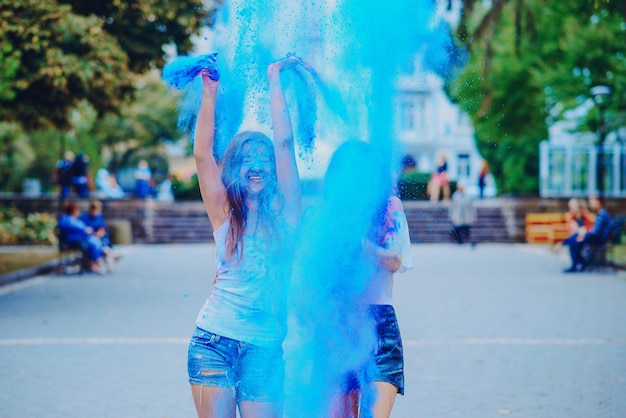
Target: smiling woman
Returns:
[253, 202]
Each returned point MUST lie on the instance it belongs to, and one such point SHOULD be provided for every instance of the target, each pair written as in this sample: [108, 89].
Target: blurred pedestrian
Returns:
[94, 218]
[77, 234]
[107, 185]
[143, 176]
[79, 175]
[599, 235]
[482, 177]
[63, 174]
[408, 164]
[440, 181]
[578, 220]
[164, 191]
[462, 214]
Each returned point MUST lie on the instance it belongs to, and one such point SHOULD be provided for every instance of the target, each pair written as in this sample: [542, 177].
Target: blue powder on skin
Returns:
[358, 49]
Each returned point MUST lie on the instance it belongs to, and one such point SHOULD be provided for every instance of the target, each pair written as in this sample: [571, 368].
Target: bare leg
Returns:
[434, 192]
[446, 192]
[249, 409]
[346, 405]
[385, 397]
[214, 402]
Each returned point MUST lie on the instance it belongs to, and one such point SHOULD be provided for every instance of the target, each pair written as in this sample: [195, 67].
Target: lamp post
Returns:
[601, 96]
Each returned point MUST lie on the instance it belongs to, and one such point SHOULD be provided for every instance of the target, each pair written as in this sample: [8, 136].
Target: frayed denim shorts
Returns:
[252, 372]
[386, 363]
[388, 360]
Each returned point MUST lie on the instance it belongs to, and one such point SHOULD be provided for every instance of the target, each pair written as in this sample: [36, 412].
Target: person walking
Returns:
[462, 214]
[253, 202]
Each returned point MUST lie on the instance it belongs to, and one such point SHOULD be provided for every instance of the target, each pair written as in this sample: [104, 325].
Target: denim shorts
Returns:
[252, 372]
[386, 363]
[388, 360]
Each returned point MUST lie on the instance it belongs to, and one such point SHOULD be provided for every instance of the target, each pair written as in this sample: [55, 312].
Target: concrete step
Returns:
[189, 224]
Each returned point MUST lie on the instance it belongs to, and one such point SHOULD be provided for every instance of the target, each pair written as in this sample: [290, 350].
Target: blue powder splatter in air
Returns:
[357, 50]
[183, 70]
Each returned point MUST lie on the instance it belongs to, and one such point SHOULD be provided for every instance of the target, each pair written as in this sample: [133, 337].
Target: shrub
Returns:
[36, 228]
[414, 186]
[186, 190]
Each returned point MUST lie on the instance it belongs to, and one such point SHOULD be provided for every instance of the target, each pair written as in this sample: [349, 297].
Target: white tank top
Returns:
[248, 299]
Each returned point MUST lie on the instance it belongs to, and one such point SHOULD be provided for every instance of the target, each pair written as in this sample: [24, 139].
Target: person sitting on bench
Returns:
[598, 235]
[77, 234]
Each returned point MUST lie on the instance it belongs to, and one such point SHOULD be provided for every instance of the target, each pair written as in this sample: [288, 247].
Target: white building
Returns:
[428, 124]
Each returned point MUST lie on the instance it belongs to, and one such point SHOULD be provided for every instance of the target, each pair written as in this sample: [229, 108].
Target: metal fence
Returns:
[571, 171]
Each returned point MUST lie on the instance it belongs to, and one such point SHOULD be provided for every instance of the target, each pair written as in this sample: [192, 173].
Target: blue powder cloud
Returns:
[358, 49]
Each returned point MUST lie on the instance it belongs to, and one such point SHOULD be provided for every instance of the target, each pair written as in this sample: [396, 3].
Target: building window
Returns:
[408, 115]
[412, 113]
[463, 164]
[463, 119]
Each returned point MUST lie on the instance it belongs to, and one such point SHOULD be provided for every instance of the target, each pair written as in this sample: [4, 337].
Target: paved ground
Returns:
[493, 331]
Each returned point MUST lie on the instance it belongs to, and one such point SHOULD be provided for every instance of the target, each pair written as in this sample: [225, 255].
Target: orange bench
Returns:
[546, 228]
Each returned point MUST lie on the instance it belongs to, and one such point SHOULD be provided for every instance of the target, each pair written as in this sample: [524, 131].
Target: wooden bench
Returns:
[546, 228]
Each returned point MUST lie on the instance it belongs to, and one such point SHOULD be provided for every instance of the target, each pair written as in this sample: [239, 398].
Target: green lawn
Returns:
[18, 259]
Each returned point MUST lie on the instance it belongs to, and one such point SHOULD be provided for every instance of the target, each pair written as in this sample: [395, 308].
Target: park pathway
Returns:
[491, 331]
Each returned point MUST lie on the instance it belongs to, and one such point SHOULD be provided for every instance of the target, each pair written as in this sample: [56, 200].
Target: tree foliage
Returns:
[56, 55]
[143, 124]
[531, 60]
[113, 141]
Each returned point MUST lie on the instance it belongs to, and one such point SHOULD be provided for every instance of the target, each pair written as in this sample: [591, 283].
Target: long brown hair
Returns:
[236, 194]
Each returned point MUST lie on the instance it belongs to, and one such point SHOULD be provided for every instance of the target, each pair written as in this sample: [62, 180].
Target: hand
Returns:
[210, 84]
[209, 66]
[291, 61]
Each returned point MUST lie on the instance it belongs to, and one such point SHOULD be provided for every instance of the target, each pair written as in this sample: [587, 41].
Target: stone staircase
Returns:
[187, 222]
[430, 224]
[184, 222]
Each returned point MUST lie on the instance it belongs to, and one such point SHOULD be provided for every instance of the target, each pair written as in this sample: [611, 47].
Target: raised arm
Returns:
[211, 187]
[284, 149]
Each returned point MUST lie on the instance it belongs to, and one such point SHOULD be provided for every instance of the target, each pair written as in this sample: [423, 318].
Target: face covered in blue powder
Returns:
[256, 168]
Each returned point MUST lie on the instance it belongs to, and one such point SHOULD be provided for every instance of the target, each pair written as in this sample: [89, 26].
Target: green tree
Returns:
[142, 126]
[15, 156]
[531, 61]
[58, 54]
[113, 141]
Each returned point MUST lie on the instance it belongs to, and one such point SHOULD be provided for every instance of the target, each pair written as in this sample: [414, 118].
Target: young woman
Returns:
[253, 202]
[389, 247]
[371, 391]
[373, 225]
